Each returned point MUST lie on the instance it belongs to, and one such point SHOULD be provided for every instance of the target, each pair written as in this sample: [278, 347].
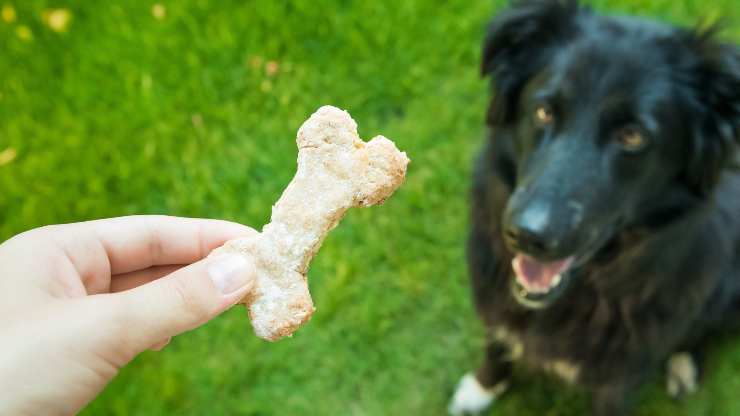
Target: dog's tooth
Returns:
[556, 280]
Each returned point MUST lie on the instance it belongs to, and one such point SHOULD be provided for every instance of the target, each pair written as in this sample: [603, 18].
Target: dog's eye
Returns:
[631, 139]
[543, 114]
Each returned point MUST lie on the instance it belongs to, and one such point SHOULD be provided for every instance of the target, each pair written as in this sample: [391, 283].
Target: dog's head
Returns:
[614, 121]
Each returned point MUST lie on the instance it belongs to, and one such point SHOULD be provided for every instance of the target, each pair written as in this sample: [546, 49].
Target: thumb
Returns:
[183, 300]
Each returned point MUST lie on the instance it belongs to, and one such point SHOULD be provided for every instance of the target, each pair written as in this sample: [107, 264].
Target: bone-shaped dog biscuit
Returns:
[336, 171]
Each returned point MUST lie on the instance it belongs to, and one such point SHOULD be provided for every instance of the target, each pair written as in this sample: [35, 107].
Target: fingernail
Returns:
[231, 272]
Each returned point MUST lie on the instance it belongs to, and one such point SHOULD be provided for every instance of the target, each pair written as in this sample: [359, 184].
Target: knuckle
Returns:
[188, 301]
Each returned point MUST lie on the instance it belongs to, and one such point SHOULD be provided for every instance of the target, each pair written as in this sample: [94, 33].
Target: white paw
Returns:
[681, 375]
[472, 398]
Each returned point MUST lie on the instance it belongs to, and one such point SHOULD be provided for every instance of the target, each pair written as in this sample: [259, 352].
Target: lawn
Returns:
[190, 108]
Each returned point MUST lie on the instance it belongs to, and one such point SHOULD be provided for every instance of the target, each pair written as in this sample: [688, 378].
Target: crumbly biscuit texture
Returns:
[336, 171]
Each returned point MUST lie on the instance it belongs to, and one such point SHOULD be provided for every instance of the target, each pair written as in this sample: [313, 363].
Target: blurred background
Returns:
[190, 108]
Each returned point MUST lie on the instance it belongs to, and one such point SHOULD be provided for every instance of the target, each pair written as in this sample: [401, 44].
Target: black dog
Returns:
[605, 237]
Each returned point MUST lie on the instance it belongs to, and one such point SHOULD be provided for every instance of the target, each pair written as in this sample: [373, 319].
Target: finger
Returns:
[161, 344]
[139, 242]
[92, 251]
[40, 266]
[130, 280]
[182, 300]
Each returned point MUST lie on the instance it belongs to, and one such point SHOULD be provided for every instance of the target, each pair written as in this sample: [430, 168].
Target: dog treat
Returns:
[336, 171]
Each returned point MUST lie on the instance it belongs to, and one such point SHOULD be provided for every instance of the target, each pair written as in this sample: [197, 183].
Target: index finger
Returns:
[80, 258]
[139, 242]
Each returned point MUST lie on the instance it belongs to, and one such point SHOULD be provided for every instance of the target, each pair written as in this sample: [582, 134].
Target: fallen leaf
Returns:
[272, 68]
[159, 11]
[8, 13]
[7, 156]
[57, 19]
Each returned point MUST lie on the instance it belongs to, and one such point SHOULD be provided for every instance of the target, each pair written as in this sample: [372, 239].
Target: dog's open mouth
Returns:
[536, 283]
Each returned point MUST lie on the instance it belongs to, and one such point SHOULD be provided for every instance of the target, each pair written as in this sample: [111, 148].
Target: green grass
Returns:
[125, 113]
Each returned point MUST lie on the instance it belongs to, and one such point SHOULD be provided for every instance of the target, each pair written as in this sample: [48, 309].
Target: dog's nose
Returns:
[531, 232]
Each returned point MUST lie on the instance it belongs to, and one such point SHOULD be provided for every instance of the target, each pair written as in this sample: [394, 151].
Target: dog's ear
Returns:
[518, 44]
[717, 135]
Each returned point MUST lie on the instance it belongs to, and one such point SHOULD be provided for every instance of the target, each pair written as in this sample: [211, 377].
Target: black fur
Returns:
[658, 235]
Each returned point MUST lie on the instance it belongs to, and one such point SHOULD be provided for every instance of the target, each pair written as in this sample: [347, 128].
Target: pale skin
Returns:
[79, 301]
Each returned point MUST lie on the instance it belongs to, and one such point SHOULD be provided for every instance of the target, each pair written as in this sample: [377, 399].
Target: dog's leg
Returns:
[683, 371]
[477, 391]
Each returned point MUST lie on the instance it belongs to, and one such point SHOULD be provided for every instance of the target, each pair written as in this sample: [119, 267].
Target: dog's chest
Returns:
[565, 369]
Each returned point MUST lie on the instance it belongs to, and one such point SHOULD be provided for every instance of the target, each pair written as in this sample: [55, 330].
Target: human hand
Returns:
[79, 301]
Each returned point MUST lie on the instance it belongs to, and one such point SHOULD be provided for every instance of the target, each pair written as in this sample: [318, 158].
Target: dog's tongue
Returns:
[536, 276]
